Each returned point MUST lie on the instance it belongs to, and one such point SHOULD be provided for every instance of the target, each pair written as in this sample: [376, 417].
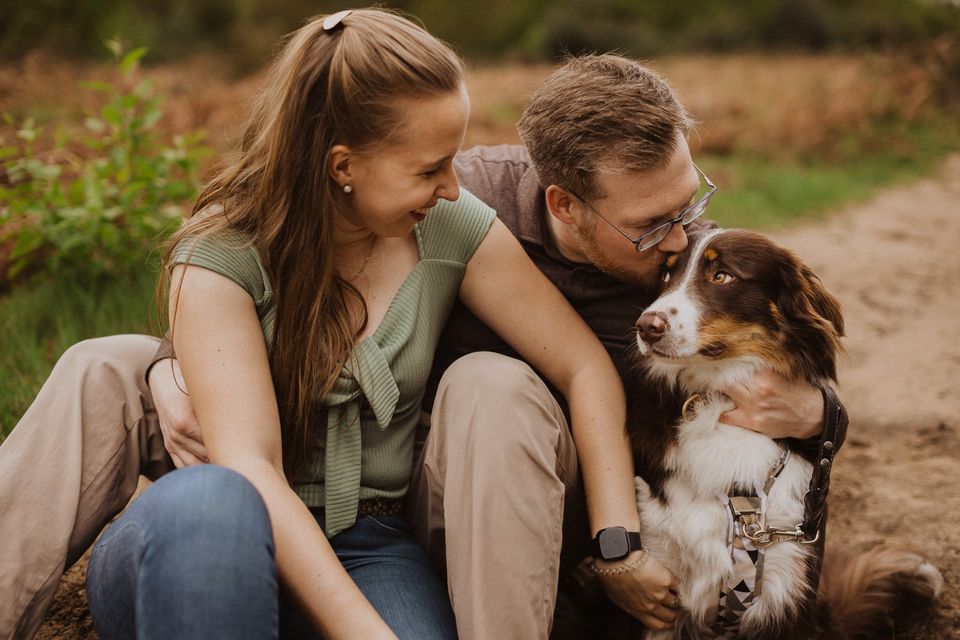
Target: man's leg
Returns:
[488, 499]
[69, 466]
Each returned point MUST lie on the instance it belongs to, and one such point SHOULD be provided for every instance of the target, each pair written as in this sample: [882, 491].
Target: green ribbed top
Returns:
[366, 450]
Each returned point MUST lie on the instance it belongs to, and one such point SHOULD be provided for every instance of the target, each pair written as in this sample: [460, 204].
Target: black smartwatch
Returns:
[615, 543]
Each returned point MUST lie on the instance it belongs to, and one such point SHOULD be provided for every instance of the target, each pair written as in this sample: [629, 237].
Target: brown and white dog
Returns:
[734, 303]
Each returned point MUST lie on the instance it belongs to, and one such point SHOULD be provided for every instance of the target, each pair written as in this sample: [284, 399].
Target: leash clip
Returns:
[765, 537]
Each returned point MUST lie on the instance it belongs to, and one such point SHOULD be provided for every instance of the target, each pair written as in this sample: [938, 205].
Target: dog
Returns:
[721, 505]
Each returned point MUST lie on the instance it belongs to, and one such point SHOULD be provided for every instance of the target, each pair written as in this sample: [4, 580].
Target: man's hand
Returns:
[178, 423]
[648, 593]
[770, 404]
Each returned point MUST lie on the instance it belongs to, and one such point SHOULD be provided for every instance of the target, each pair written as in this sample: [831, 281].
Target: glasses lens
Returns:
[694, 212]
[653, 237]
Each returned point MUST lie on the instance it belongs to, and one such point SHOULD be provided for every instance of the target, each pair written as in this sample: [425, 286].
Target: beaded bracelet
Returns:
[626, 568]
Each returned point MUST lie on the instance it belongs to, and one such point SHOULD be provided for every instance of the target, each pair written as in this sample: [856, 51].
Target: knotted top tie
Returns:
[377, 386]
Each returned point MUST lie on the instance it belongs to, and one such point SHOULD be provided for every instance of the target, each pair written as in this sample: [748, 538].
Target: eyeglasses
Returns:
[653, 237]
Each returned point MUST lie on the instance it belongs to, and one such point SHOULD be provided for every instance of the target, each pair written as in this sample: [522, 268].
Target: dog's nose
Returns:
[652, 325]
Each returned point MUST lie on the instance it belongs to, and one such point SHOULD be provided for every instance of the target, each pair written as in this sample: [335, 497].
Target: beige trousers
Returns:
[70, 465]
[487, 500]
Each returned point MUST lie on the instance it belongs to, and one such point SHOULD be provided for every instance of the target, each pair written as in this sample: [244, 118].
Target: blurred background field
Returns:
[804, 106]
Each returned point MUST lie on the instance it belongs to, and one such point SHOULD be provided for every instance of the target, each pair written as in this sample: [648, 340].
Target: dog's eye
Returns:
[665, 277]
[722, 277]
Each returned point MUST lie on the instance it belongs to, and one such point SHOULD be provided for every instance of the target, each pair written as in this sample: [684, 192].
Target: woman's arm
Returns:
[225, 365]
[539, 323]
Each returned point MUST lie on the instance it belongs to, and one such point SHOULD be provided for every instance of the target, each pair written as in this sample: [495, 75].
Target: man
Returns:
[607, 158]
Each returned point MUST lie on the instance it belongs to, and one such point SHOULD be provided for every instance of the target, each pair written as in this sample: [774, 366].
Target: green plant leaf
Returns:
[132, 60]
[95, 124]
[99, 86]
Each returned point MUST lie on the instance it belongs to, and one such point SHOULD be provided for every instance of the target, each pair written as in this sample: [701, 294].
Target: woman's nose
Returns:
[449, 187]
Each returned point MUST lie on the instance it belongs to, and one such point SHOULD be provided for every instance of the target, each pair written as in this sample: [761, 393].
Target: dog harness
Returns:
[747, 539]
[748, 535]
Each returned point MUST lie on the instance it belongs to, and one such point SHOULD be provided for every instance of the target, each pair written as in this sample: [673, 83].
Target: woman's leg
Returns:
[70, 465]
[394, 573]
[193, 557]
[396, 576]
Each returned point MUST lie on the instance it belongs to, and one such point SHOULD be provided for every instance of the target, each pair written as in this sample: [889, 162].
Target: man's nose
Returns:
[675, 241]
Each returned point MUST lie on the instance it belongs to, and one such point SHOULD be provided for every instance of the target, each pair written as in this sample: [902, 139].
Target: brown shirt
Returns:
[504, 178]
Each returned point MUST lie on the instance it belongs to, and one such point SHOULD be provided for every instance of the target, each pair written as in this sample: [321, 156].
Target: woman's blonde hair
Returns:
[336, 86]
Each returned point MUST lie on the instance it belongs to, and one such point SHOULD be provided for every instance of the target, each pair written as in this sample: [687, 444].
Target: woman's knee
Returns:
[195, 547]
[205, 503]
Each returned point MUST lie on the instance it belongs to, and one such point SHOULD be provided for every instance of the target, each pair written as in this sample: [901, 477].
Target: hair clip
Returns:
[334, 20]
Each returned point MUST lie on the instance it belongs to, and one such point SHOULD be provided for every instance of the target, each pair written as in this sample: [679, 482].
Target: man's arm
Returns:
[770, 404]
[813, 416]
[775, 406]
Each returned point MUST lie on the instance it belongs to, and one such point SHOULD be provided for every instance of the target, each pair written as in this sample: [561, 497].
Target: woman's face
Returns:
[393, 186]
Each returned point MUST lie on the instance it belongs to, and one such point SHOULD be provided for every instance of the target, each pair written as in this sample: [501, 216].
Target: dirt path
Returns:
[894, 264]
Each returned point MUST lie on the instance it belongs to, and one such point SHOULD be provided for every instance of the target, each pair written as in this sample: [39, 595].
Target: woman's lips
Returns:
[421, 213]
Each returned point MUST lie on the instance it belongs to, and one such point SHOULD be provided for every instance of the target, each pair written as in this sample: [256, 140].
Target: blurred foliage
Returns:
[533, 29]
[96, 205]
[41, 321]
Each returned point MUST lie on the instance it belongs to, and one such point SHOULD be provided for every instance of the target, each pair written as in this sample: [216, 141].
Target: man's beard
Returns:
[648, 280]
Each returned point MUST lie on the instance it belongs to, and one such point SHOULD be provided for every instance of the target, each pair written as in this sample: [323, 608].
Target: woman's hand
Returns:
[648, 593]
[178, 422]
[770, 404]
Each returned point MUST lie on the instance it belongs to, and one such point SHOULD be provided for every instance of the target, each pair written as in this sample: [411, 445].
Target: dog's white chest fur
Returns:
[689, 533]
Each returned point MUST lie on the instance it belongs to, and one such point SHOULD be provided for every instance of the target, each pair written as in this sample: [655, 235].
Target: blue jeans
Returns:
[193, 557]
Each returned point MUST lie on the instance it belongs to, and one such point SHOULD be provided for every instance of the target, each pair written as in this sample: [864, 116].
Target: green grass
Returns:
[39, 320]
[760, 193]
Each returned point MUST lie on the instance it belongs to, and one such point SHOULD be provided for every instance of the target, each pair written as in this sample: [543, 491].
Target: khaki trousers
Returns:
[487, 500]
[69, 466]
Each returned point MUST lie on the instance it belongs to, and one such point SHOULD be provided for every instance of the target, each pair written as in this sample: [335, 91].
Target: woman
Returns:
[307, 296]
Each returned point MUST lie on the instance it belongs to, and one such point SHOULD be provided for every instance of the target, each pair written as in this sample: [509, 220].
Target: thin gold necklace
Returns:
[366, 261]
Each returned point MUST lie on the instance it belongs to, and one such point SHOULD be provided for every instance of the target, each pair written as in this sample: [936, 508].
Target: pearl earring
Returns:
[347, 188]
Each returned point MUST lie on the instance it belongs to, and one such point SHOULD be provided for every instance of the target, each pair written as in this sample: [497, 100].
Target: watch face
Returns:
[613, 543]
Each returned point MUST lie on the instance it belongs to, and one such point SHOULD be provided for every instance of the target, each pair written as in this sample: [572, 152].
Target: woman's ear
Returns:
[339, 159]
[560, 204]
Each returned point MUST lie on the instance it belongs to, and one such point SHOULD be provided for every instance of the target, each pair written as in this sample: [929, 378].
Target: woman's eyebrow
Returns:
[436, 163]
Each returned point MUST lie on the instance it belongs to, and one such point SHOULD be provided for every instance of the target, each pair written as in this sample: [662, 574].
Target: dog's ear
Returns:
[822, 301]
[812, 319]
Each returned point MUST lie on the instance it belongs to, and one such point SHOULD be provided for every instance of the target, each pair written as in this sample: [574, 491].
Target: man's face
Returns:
[636, 202]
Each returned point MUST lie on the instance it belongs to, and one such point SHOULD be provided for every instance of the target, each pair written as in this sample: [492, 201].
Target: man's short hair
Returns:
[600, 112]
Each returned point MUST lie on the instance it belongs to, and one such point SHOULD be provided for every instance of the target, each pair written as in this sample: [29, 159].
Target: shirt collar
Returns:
[533, 228]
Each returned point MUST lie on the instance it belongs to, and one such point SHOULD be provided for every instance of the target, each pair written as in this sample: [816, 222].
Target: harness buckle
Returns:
[745, 506]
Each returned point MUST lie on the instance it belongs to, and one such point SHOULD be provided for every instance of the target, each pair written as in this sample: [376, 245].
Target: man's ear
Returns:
[339, 158]
[562, 205]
